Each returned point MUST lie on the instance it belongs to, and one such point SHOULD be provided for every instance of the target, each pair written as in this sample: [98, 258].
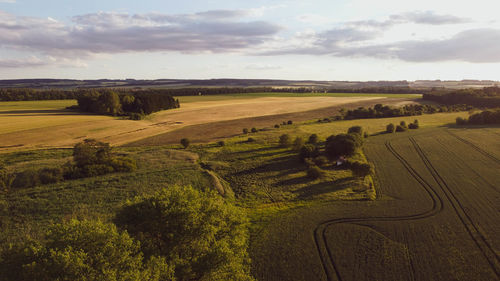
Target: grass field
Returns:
[436, 217]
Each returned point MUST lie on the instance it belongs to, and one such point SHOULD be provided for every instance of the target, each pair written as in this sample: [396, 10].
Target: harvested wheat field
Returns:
[45, 124]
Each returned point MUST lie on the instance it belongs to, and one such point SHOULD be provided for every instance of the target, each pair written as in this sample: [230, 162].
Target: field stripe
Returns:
[475, 147]
[319, 234]
[481, 242]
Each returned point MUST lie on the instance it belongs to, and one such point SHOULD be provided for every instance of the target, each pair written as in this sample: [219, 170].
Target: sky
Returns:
[356, 40]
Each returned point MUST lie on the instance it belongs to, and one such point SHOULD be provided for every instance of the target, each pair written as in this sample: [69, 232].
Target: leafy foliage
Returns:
[390, 128]
[81, 250]
[285, 140]
[342, 145]
[185, 142]
[202, 236]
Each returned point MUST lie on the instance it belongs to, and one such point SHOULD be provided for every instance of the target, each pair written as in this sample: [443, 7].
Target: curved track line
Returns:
[486, 249]
[320, 238]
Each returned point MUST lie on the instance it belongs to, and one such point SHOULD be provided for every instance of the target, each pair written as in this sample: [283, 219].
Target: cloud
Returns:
[260, 66]
[428, 17]
[8, 1]
[211, 31]
[20, 63]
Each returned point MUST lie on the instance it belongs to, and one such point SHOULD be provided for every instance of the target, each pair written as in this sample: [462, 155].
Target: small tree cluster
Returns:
[285, 140]
[414, 125]
[360, 169]
[390, 128]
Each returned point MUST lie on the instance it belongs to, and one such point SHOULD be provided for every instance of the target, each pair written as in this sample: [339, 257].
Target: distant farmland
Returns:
[436, 217]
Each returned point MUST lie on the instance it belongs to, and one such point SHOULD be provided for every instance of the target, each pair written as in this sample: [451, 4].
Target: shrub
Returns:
[313, 139]
[123, 164]
[250, 140]
[245, 131]
[314, 172]
[308, 151]
[136, 116]
[254, 130]
[321, 161]
[298, 143]
[400, 128]
[50, 175]
[390, 128]
[366, 135]
[27, 178]
[200, 234]
[413, 126]
[285, 140]
[402, 124]
[283, 123]
[91, 152]
[355, 130]
[185, 142]
[360, 169]
[276, 126]
[221, 143]
[461, 121]
[290, 122]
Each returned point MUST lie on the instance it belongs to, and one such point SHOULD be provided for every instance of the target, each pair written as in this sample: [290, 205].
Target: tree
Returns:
[254, 130]
[400, 128]
[308, 151]
[245, 131]
[185, 142]
[91, 152]
[402, 124]
[314, 172]
[298, 143]
[341, 145]
[82, 250]
[355, 130]
[285, 140]
[200, 234]
[390, 128]
[313, 139]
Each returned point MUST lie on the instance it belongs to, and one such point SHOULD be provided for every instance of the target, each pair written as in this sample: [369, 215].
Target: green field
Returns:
[187, 99]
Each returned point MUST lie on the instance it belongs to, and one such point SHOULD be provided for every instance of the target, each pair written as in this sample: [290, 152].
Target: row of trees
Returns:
[383, 111]
[90, 158]
[486, 117]
[488, 97]
[115, 103]
[178, 234]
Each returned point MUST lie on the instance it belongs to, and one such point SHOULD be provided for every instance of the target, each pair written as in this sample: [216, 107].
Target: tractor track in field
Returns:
[475, 147]
[486, 249]
[320, 238]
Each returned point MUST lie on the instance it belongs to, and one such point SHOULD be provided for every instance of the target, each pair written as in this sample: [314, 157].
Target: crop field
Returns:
[47, 124]
[436, 217]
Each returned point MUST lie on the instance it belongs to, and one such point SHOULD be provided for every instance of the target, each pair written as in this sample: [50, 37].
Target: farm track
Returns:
[475, 147]
[486, 249]
[320, 237]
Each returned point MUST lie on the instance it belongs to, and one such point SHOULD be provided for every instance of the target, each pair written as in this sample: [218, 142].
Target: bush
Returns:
[390, 128]
[290, 122]
[50, 175]
[283, 123]
[221, 143]
[360, 169]
[366, 135]
[413, 126]
[91, 152]
[200, 234]
[250, 140]
[314, 172]
[245, 131]
[313, 139]
[308, 151]
[402, 124]
[400, 128]
[285, 140]
[123, 164]
[298, 143]
[355, 130]
[254, 130]
[27, 178]
[321, 161]
[276, 126]
[461, 121]
[185, 142]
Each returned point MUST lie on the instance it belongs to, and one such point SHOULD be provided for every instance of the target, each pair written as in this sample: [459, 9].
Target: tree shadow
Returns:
[322, 188]
[285, 165]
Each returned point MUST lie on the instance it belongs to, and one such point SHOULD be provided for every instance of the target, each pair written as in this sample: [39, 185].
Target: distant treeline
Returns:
[27, 94]
[383, 111]
[488, 97]
[132, 103]
[487, 117]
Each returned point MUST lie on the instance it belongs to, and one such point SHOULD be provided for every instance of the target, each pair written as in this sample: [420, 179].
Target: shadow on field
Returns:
[285, 165]
[42, 112]
[322, 188]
